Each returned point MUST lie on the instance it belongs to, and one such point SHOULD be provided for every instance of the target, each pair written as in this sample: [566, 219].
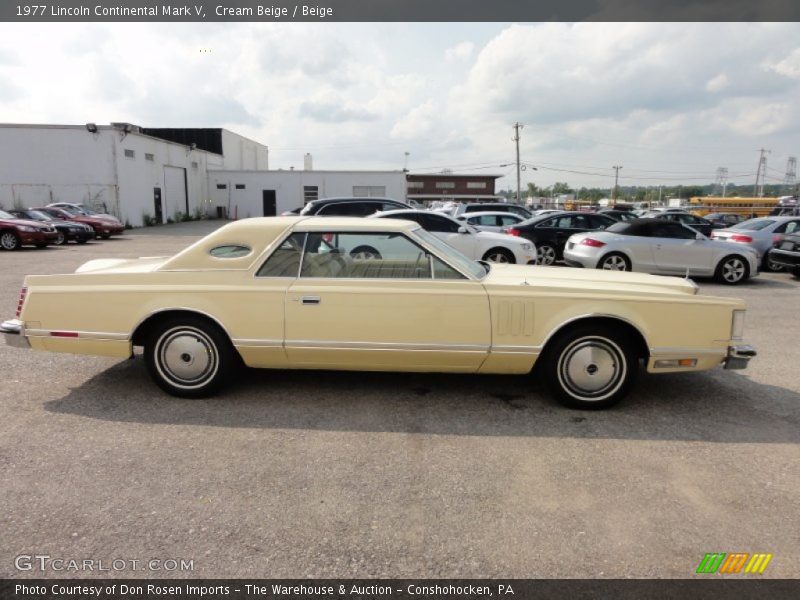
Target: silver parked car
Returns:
[661, 247]
[759, 234]
[491, 220]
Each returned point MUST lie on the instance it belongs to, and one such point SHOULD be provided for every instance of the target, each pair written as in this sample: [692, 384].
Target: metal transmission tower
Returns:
[791, 174]
[721, 183]
[515, 139]
[761, 174]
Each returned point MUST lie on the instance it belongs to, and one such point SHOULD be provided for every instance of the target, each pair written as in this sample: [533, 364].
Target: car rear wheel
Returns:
[499, 255]
[614, 262]
[545, 254]
[189, 357]
[82, 240]
[590, 367]
[365, 253]
[61, 239]
[732, 270]
[9, 240]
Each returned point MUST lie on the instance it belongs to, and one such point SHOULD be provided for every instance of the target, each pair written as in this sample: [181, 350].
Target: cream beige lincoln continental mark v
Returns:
[299, 293]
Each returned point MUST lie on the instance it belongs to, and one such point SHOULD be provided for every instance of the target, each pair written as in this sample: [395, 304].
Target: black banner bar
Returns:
[741, 588]
[400, 10]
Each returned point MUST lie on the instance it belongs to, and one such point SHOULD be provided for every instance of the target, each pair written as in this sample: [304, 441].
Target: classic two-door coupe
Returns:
[279, 292]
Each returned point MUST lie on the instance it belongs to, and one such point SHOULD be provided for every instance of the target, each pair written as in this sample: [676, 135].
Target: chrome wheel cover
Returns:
[9, 241]
[61, 239]
[733, 270]
[546, 255]
[592, 368]
[186, 357]
[615, 263]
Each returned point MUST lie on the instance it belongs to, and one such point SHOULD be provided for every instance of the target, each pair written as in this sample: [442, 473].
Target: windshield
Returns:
[5, 215]
[37, 215]
[70, 210]
[452, 255]
[755, 224]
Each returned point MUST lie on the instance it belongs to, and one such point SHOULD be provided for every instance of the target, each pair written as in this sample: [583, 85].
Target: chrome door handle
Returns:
[310, 300]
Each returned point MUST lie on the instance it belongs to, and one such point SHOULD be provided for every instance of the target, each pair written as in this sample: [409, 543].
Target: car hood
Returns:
[501, 237]
[588, 280]
[27, 222]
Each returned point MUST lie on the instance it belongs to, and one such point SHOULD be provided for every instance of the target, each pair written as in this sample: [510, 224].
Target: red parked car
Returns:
[16, 232]
[103, 227]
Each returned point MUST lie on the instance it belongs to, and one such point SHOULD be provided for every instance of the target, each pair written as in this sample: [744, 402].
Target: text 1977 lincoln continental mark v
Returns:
[296, 293]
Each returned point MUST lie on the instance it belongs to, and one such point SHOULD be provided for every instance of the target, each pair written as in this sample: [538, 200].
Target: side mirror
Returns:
[463, 229]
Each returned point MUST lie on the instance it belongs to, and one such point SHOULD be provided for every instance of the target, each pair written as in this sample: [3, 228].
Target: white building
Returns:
[123, 169]
[160, 173]
[242, 194]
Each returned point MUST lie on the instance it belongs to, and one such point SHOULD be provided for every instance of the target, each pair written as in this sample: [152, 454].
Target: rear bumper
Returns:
[738, 357]
[14, 333]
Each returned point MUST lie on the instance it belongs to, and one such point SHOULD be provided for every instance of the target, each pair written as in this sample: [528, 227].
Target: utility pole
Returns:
[517, 127]
[761, 174]
[791, 174]
[616, 182]
[722, 181]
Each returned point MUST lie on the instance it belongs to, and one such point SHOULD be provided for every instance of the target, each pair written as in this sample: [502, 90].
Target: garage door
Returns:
[175, 199]
[369, 191]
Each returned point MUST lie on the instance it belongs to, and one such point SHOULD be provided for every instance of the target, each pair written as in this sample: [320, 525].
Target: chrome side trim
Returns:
[516, 349]
[258, 343]
[687, 352]
[296, 344]
[90, 335]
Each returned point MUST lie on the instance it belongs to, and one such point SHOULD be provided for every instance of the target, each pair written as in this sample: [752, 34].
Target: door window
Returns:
[364, 256]
[437, 224]
[507, 220]
[285, 261]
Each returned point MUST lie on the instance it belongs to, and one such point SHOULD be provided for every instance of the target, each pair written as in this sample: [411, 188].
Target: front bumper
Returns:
[14, 332]
[787, 258]
[738, 357]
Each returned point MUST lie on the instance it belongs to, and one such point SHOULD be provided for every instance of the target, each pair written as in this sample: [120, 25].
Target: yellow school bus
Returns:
[746, 207]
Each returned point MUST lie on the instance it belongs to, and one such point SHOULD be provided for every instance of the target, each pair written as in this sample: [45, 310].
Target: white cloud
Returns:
[718, 83]
[789, 66]
[417, 123]
[459, 52]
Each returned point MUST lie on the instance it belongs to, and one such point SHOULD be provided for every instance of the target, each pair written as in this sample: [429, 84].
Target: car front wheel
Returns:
[770, 265]
[499, 255]
[732, 270]
[9, 240]
[590, 367]
[189, 357]
[61, 239]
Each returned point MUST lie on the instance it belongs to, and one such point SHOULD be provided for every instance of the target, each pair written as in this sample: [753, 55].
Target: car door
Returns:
[676, 249]
[386, 313]
[447, 230]
[639, 246]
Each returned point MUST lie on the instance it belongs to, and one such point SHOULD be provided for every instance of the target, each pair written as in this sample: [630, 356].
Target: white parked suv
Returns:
[477, 245]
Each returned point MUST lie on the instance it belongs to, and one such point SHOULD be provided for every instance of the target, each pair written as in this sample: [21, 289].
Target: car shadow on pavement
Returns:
[715, 406]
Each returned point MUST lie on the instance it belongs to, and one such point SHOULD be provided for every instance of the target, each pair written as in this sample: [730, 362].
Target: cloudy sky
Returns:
[669, 102]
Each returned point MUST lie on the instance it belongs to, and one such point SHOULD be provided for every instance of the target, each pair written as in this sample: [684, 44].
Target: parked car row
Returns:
[55, 224]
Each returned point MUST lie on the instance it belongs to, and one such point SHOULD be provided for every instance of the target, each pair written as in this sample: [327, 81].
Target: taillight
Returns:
[512, 231]
[22, 293]
[776, 239]
[737, 237]
[593, 243]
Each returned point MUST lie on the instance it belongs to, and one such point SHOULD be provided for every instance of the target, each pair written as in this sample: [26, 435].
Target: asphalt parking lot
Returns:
[328, 474]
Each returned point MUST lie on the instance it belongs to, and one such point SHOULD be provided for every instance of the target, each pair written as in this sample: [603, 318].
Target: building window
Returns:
[222, 186]
[310, 193]
[194, 164]
[239, 186]
[149, 157]
[416, 185]
[130, 154]
[476, 185]
[445, 185]
[369, 191]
